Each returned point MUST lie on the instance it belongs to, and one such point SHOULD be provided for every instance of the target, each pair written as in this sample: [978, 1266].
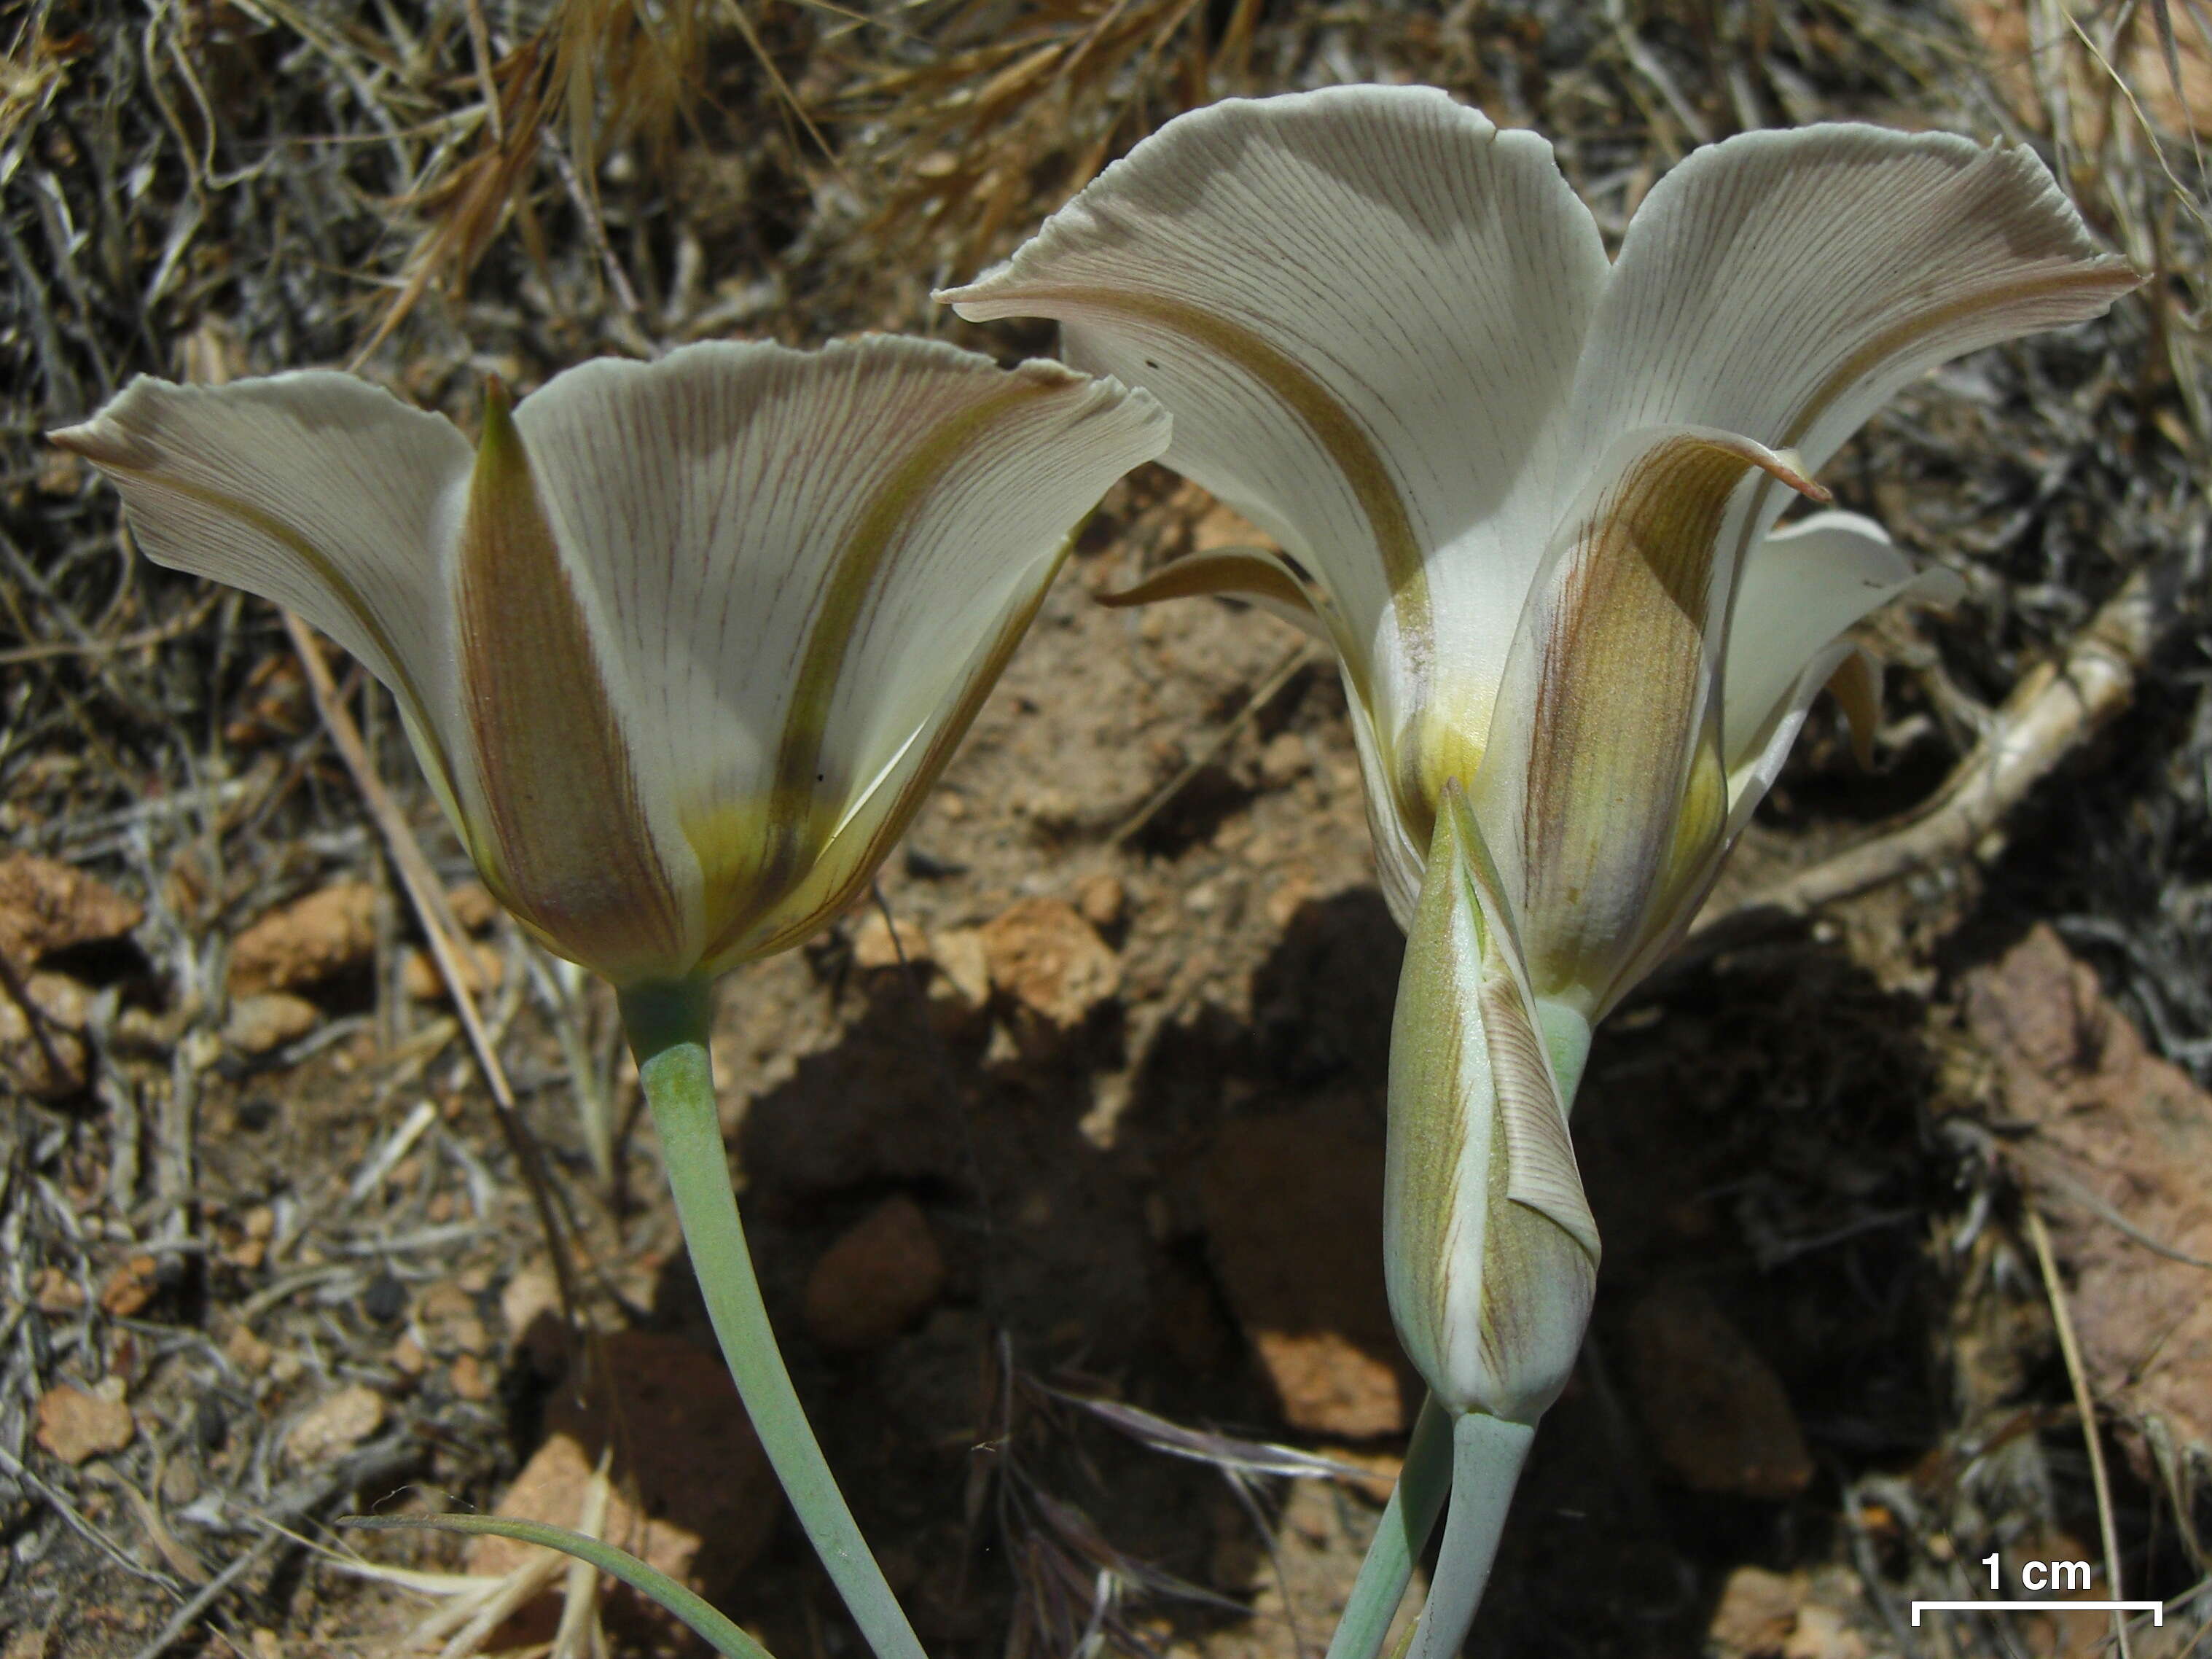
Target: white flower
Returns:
[680, 646]
[1530, 497]
[1530, 494]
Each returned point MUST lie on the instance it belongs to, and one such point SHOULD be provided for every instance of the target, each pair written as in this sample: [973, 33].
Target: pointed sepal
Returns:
[1489, 1250]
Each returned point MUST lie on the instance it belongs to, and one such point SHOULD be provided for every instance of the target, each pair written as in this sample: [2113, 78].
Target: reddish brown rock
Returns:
[335, 1425]
[2117, 1126]
[482, 970]
[448, 1321]
[960, 983]
[54, 1292]
[1758, 1612]
[472, 905]
[876, 951]
[266, 1021]
[1755, 1615]
[1765, 1615]
[1293, 1211]
[47, 906]
[305, 942]
[470, 1378]
[130, 1286]
[1103, 901]
[881, 1276]
[1717, 1412]
[41, 1051]
[1053, 968]
[75, 1425]
[692, 1491]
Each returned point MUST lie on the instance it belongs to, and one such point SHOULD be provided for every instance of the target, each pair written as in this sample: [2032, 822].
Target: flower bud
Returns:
[1489, 1248]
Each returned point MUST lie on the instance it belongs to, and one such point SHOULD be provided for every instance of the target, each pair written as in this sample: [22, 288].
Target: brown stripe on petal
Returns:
[1347, 443]
[2047, 299]
[572, 852]
[842, 873]
[1622, 716]
[1200, 574]
[760, 874]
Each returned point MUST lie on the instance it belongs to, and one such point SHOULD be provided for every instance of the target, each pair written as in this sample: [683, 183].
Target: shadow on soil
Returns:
[1751, 1138]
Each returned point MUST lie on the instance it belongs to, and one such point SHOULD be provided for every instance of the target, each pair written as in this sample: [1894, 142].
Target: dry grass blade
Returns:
[606, 73]
[962, 141]
[2087, 1406]
[1221, 1451]
[439, 929]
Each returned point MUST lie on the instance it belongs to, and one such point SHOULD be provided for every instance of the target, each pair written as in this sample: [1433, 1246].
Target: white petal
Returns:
[881, 810]
[1603, 780]
[1783, 284]
[574, 841]
[1363, 307]
[1803, 586]
[799, 562]
[1400, 861]
[318, 490]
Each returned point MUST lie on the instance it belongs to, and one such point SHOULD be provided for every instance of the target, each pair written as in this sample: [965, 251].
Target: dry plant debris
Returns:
[1145, 979]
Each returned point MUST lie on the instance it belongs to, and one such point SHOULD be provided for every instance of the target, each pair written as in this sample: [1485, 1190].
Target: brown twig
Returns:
[438, 930]
[1279, 677]
[2055, 709]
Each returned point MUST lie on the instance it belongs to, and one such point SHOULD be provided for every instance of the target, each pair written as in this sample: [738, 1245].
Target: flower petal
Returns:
[874, 822]
[1258, 575]
[587, 858]
[1489, 1247]
[1852, 676]
[801, 563]
[1784, 284]
[1363, 307]
[1803, 586]
[314, 489]
[1604, 772]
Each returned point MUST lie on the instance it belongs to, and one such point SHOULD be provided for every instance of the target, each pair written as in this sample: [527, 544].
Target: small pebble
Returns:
[384, 1299]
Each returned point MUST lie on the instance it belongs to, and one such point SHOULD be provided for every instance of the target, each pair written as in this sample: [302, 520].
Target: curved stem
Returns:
[1403, 1535]
[667, 1027]
[1487, 1453]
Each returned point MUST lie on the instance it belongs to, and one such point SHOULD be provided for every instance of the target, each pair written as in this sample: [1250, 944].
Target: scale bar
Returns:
[2155, 1609]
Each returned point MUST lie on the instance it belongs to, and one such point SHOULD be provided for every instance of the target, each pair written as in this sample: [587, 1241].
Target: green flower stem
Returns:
[1487, 1453]
[667, 1027]
[1403, 1534]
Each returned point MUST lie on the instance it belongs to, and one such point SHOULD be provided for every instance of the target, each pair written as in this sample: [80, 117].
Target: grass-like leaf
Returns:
[725, 1636]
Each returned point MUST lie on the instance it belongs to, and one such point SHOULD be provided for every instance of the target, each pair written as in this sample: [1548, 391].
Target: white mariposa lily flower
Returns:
[1530, 494]
[682, 646]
